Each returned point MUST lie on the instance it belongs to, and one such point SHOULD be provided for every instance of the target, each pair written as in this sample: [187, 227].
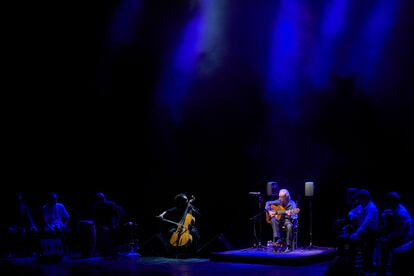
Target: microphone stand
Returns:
[309, 191]
[260, 221]
[255, 239]
[311, 246]
[257, 219]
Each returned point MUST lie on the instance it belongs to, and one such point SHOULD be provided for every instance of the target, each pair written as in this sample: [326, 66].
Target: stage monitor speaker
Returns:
[216, 244]
[156, 245]
[272, 188]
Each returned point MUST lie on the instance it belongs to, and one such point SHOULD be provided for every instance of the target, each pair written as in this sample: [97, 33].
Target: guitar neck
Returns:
[283, 212]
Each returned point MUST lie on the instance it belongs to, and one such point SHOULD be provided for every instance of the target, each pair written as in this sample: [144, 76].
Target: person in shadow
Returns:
[361, 232]
[54, 239]
[107, 216]
[21, 232]
[55, 217]
[396, 228]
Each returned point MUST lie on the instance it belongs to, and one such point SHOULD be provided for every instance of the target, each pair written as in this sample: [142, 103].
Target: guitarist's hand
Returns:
[271, 213]
[292, 211]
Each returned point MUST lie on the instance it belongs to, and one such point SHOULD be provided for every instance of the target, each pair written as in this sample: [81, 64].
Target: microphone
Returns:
[254, 193]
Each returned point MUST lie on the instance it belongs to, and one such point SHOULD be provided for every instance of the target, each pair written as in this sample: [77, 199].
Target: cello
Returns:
[181, 236]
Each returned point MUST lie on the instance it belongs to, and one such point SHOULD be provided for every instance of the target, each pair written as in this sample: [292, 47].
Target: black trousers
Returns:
[366, 243]
[277, 228]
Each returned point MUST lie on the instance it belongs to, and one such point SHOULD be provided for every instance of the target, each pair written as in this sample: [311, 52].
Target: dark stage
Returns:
[145, 99]
[152, 266]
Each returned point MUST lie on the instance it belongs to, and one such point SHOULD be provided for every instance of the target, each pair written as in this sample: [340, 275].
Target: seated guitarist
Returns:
[282, 212]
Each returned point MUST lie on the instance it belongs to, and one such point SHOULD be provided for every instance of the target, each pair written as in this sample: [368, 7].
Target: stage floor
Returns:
[266, 255]
[151, 266]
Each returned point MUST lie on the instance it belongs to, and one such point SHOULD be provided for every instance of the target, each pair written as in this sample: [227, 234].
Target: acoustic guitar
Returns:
[278, 212]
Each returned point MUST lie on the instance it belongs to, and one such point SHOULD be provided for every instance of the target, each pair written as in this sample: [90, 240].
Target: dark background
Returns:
[93, 121]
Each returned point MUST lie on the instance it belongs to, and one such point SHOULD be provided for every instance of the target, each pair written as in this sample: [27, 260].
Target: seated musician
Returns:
[55, 216]
[359, 235]
[395, 230]
[282, 212]
[184, 214]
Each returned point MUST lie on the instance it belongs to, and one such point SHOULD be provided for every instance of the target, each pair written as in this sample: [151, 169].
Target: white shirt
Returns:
[55, 215]
[366, 217]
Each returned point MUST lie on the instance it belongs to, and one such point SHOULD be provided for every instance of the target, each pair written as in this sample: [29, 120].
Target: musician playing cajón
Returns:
[279, 213]
[183, 235]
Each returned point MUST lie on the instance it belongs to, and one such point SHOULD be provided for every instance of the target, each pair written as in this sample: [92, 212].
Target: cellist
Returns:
[183, 235]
